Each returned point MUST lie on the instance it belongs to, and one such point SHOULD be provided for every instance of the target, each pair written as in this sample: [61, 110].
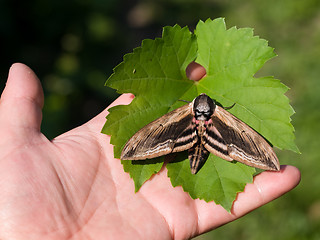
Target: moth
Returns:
[201, 127]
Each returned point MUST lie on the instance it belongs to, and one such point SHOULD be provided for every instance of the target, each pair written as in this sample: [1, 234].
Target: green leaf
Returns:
[219, 181]
[155, 73]
[231, 58]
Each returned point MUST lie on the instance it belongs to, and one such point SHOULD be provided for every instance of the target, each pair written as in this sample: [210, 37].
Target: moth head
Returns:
[203, 107]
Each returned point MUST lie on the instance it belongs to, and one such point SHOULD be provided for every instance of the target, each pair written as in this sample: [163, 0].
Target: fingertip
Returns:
[283, 181]
[18, 65]
[293, 174]
[266, 187]
[21, 101]
[195, 71]
[23, 83]
[123, 99]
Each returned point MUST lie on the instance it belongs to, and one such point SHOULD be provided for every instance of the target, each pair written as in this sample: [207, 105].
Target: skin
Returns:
[71, 187]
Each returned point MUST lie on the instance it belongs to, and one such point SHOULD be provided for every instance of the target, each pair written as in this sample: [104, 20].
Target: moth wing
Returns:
[231, 139]
[173, 132]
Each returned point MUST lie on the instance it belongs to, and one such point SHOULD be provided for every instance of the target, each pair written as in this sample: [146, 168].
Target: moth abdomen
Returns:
[197, 155]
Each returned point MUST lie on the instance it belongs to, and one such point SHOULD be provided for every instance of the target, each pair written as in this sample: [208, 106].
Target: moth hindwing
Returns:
[201, 127]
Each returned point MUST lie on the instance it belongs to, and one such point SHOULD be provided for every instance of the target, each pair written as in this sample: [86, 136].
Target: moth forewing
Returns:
[243, 143]
[173, 132]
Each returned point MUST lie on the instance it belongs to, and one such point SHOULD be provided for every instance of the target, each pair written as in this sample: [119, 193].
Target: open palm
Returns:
[73, 187]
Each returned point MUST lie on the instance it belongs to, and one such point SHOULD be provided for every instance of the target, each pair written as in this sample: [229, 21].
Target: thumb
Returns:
[21, 101]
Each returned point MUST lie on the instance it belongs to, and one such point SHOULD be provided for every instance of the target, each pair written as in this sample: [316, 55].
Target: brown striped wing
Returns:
[231, 139]
[173, 132]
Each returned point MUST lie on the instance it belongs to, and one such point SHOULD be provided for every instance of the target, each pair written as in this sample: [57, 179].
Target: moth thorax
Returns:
[203, 107]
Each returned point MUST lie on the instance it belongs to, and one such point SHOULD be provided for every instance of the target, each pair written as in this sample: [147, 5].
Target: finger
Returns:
[195, 71]
[97, 122]
[124, 99]
[266, 187]
[22, 100]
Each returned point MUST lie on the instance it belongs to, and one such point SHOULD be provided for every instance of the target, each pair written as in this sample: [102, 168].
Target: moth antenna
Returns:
[184, 100]
[227, 108]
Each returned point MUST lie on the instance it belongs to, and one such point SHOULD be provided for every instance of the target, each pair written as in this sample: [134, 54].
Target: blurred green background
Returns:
[74, 45]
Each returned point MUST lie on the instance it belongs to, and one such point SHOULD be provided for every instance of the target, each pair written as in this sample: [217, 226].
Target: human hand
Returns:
[73, 187]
